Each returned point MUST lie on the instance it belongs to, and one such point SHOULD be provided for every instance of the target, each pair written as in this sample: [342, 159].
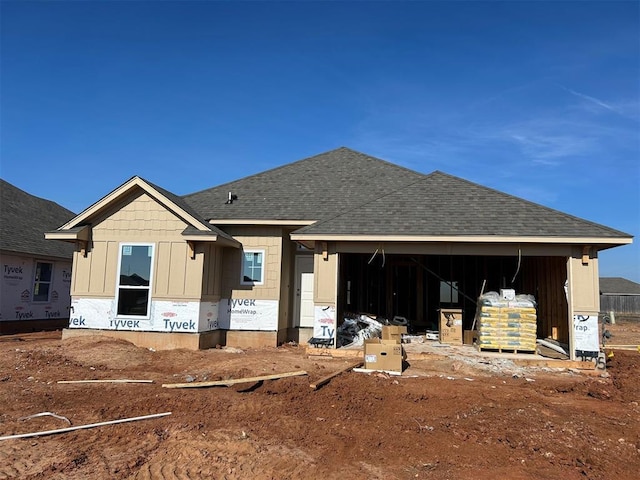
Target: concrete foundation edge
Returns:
[155, 340]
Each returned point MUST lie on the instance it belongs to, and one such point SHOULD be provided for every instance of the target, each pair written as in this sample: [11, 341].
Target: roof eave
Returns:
[71, 235]
[601, 242]
[213, 238]
[269, 222]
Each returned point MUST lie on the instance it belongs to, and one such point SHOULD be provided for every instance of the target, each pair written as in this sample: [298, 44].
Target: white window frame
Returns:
[262, 272]
[36, 281]
[149, 288]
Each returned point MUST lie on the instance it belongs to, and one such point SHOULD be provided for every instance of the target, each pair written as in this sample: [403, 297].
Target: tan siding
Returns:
[111, 270]
[161, 276]
[177, 265]
[193, 272]
[80, 273]
[325, 276]
[286, 276]
[217, 289]
[268, 239]
[584, 285]
[97, 273]
[212, 274]
[139, 218]
[208, 272]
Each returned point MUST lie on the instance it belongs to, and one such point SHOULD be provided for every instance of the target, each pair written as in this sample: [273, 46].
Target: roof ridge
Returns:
[298, 162]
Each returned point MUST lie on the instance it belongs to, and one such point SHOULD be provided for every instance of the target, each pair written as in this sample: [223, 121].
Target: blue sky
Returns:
[537, 99]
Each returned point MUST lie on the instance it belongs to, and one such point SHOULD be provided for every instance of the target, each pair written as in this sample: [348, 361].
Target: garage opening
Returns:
[414, 288]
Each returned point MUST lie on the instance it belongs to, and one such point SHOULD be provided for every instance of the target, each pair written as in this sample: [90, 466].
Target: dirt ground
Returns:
[444, 418]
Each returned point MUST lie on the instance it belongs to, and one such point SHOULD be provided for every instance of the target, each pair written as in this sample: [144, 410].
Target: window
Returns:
[448, 292]
[134, 280]
[252, 267]
[42, 281]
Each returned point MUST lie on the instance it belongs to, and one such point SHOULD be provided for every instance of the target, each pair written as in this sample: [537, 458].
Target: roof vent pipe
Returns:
[231, 198]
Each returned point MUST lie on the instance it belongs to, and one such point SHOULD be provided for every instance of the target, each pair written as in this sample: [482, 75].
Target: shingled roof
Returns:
[307, 190]
[344, 193]
[23, 220]
[439, 204]
[618, 286]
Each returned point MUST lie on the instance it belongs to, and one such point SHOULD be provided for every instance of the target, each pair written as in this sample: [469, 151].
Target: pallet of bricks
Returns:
[507, 322]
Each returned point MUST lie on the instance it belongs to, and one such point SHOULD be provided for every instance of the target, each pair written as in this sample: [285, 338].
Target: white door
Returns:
[303, 301]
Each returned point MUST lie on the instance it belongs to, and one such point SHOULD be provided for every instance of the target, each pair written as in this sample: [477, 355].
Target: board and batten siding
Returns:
[268, 239]
[139, 219]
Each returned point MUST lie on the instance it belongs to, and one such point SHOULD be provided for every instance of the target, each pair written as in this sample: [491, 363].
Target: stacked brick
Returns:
[507, 324]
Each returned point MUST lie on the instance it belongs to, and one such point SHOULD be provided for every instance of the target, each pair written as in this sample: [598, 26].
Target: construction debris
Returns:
[326, 379]
[369, 370]
[44, 414]
[81, 427]
[356, 329]
[106, 381]
[228, 383]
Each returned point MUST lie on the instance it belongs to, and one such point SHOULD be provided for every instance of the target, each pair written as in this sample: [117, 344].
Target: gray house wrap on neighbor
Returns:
[289, 253]
[30, 262]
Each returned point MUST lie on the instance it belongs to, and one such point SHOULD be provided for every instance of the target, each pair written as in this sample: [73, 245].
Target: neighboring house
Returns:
[286, 254]
[36, 274]
[619, 295]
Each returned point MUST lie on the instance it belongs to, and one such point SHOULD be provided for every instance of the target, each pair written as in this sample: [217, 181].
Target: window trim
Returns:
[132, 287]
[34, 281]
[262, 270]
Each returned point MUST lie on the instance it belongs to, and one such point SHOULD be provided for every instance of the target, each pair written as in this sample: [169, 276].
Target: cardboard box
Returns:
[470, 336]
[393, 332]
[451, 326]
[382, 354]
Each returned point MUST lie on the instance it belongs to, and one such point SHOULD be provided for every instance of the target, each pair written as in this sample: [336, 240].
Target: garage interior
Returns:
[416, 287]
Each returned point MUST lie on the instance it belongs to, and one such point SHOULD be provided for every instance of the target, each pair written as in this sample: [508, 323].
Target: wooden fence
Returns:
[620, 303]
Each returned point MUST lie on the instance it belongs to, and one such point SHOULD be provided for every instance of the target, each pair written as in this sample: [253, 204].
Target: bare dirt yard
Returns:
[448, 416]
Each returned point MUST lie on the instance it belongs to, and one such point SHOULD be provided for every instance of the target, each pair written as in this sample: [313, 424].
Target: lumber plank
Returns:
[228, 383]
[370, 370]
[124, 380]
[326, 379]
[80, 427]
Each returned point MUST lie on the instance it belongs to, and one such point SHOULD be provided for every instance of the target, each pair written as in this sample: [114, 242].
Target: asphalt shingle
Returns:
[25, 218]
[349, 193]
[618, 286]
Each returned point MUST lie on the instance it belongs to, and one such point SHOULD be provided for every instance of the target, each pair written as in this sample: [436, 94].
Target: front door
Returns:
[303, 300]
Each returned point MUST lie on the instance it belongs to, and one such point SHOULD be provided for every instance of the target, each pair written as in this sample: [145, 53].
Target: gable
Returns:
[156, 208]
[139, 215]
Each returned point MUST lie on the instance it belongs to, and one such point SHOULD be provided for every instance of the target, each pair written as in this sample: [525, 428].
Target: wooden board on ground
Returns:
[228, 383]
[326, 379]
[549, 363]
[124, 380]
[333, 352]
[369, 370]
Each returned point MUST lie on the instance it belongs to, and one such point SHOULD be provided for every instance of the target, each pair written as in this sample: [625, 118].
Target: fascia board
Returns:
[465, 239]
